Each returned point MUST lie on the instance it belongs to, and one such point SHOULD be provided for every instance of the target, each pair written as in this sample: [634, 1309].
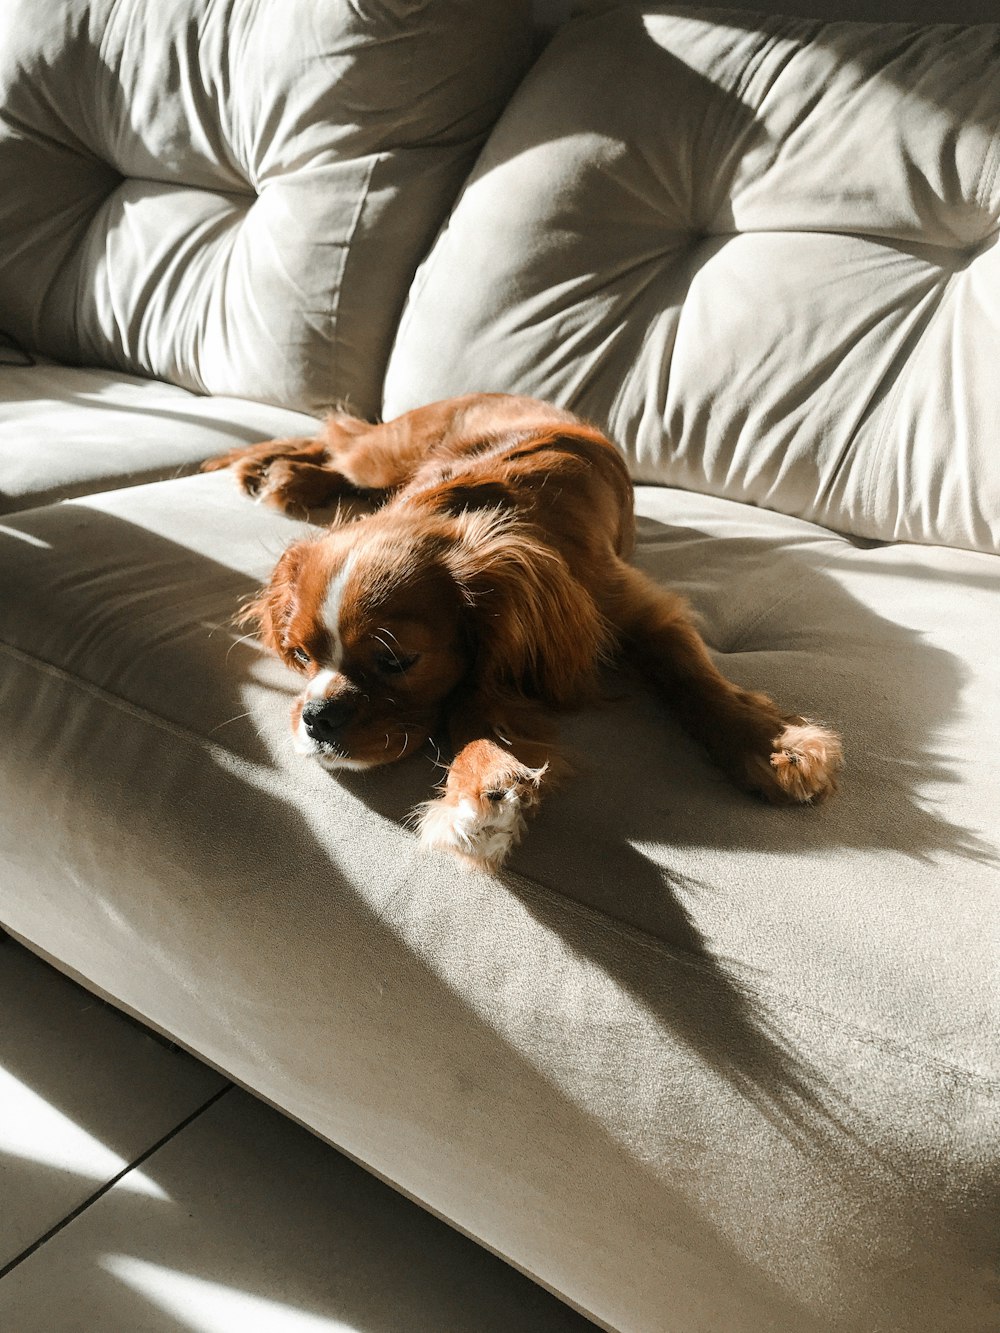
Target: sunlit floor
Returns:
[140, 1191]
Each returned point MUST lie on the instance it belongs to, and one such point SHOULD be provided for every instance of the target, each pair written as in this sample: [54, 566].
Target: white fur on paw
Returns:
[270, 489]
[805, 761]
[482, 831]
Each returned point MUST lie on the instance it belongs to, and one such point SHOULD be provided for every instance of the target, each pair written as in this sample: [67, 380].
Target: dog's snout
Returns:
[324, 719]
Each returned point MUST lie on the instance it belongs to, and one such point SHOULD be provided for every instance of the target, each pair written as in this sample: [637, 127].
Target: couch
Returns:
[693, 1063]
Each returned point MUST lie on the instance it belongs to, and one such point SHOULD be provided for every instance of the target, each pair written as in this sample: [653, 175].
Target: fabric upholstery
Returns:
[233, 197]
[696, 1063]
[867, 11]
[762, 252]
[67, 431]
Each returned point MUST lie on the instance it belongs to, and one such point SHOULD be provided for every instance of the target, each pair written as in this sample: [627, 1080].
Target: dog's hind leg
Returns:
[784, 757]
[291, 474]
[299, 475]
[347, 457]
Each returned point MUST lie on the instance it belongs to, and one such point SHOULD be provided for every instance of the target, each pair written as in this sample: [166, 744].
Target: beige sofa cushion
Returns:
[233, 197]
[696, 1063]
[760, 250]
[66, 431]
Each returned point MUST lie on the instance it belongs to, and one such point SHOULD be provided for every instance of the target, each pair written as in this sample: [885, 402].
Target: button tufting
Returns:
[827, 350]
[181, 184]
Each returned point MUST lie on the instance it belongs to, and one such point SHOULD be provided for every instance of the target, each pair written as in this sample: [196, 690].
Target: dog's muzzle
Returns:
[325, 719]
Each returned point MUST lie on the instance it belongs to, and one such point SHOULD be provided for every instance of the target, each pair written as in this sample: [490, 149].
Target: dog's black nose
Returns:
[324, 719]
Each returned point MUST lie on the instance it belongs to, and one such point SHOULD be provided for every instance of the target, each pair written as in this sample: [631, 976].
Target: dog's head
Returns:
[394, 615]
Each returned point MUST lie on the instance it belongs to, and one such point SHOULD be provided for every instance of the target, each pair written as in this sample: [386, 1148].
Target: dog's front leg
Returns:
[505, 758]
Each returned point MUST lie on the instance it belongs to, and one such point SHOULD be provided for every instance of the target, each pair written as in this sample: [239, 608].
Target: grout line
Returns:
[110, 1184]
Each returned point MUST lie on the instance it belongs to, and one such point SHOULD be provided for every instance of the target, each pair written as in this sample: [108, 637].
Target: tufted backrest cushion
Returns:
[234, 196]
[761, 250]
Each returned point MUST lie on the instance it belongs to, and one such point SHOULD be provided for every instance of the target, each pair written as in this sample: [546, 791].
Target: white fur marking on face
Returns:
[302, 741]
[319, 686]
[330, 612]
[355, 765]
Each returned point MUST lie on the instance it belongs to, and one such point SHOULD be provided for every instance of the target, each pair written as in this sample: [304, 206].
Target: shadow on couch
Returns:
[227, 892]
[649, 834]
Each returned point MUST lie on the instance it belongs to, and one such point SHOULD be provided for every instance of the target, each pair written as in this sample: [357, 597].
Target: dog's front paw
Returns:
[804, 763]
[482, 828]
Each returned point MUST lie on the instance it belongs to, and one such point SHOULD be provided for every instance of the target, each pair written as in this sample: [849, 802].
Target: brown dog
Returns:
[483, 593]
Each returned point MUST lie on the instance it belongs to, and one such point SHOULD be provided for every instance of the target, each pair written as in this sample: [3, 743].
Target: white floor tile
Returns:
[83, 1092]
[258, 1227]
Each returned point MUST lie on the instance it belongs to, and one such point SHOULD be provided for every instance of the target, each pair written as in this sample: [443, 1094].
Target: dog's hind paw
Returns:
[805, 761]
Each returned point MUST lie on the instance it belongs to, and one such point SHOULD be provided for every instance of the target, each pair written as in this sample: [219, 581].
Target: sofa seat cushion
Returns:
[66, 432]
[761, 251]
[233, 197]
[694, 1062]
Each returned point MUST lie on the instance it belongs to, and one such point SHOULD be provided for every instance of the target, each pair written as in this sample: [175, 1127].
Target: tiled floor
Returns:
[139, 1191]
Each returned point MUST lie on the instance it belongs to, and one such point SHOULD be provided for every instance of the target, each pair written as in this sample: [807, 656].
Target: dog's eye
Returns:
[301, 656]
[394, 664]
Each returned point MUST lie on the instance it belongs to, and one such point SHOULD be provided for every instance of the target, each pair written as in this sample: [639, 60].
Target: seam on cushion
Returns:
[873, 483]
[634, 935]
[116, 9]
[778, 31]
[883, 1041]
[988, 178]
[794, 32]
[87, 209]
[797, 33]
[337, 285]
[738, 639]
[36, 136]
[115, 700]
[728, 127]
[83, 286]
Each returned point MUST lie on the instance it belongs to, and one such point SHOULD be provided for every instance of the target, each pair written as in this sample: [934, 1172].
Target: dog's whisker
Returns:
[387, 646]
[229, 722]
[244, 638]
[437, 761]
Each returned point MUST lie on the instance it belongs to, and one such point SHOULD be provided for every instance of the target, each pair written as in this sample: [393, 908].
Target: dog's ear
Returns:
[537, 627]
[271, 610]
